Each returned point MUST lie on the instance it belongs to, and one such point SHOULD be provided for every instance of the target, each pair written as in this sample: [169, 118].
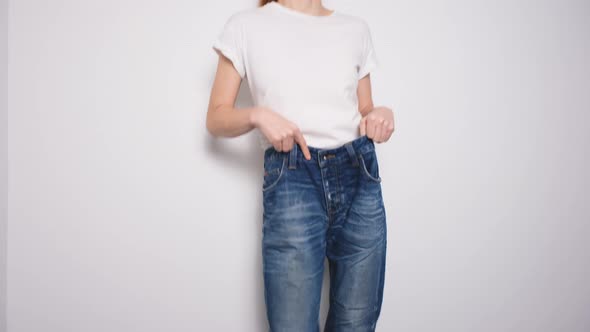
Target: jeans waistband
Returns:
[347, 152]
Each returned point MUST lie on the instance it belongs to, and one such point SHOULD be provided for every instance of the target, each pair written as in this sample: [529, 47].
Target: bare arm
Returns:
[365, 95]
[377, 122]
[223, 119]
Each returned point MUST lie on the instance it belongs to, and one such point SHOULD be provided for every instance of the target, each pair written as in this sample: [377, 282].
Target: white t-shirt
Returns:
[302, 66]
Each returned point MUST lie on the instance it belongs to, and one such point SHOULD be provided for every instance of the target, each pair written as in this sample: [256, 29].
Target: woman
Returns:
[308, 72]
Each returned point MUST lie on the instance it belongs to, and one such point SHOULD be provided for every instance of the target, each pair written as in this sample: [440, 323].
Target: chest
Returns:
[304, 60]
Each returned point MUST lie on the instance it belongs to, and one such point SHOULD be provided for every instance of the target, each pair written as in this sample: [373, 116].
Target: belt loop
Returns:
[293, 157]
[352, 154]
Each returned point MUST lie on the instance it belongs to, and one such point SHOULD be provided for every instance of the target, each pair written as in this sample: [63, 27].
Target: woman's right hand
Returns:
[280, 132]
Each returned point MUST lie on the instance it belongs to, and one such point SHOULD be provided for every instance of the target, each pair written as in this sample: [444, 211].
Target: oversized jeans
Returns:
[330, 206]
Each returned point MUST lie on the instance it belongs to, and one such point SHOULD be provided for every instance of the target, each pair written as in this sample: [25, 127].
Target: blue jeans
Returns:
[330, 206]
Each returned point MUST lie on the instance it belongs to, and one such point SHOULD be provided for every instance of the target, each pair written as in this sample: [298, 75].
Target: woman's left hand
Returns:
[378, 124]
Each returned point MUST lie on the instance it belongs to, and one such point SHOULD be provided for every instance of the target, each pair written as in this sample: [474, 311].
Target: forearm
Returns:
[228, 121]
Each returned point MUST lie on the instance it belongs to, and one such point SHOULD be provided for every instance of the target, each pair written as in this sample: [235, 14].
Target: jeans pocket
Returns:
[370, 166]
[273, 171]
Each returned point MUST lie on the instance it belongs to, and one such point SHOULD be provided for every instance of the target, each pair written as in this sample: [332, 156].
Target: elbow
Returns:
[210, 126]
[212, 131]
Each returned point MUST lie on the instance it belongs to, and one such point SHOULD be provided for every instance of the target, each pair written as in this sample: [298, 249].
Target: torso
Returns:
[305, 68]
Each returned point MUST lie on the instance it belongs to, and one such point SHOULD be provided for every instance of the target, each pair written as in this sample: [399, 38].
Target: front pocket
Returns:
[370, 166]
[273, 173]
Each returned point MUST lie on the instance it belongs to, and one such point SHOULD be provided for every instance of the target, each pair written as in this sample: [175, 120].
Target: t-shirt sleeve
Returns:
[369, 59]
[230, 43]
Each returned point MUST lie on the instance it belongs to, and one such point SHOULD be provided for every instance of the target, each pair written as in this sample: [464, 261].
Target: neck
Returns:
[311, 7]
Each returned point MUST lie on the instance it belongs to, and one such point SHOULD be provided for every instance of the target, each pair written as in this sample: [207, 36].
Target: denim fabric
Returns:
[330, 206]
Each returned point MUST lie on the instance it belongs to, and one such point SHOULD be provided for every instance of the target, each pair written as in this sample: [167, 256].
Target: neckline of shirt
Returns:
[287, 10]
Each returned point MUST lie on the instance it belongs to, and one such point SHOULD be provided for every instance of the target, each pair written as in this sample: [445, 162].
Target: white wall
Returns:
[124, 215]
[3, 156]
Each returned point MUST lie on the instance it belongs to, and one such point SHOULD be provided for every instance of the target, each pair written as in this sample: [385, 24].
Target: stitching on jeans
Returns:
[282, 170]
[366, 171]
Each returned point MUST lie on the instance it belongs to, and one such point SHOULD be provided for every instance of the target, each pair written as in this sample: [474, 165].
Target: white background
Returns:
[125, 215]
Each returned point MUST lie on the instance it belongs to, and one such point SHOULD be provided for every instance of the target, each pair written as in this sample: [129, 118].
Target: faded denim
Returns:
[330, 206]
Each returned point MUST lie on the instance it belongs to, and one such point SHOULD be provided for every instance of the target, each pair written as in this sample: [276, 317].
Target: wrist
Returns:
[254, 116]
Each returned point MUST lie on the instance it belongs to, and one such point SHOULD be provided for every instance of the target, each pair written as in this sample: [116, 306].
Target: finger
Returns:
[303, 145]
[385, 131]
[378, 131]
[287, 143]
[362, 126]
[376, 125]
[388, 129]
[278, 145]
[370, 128]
